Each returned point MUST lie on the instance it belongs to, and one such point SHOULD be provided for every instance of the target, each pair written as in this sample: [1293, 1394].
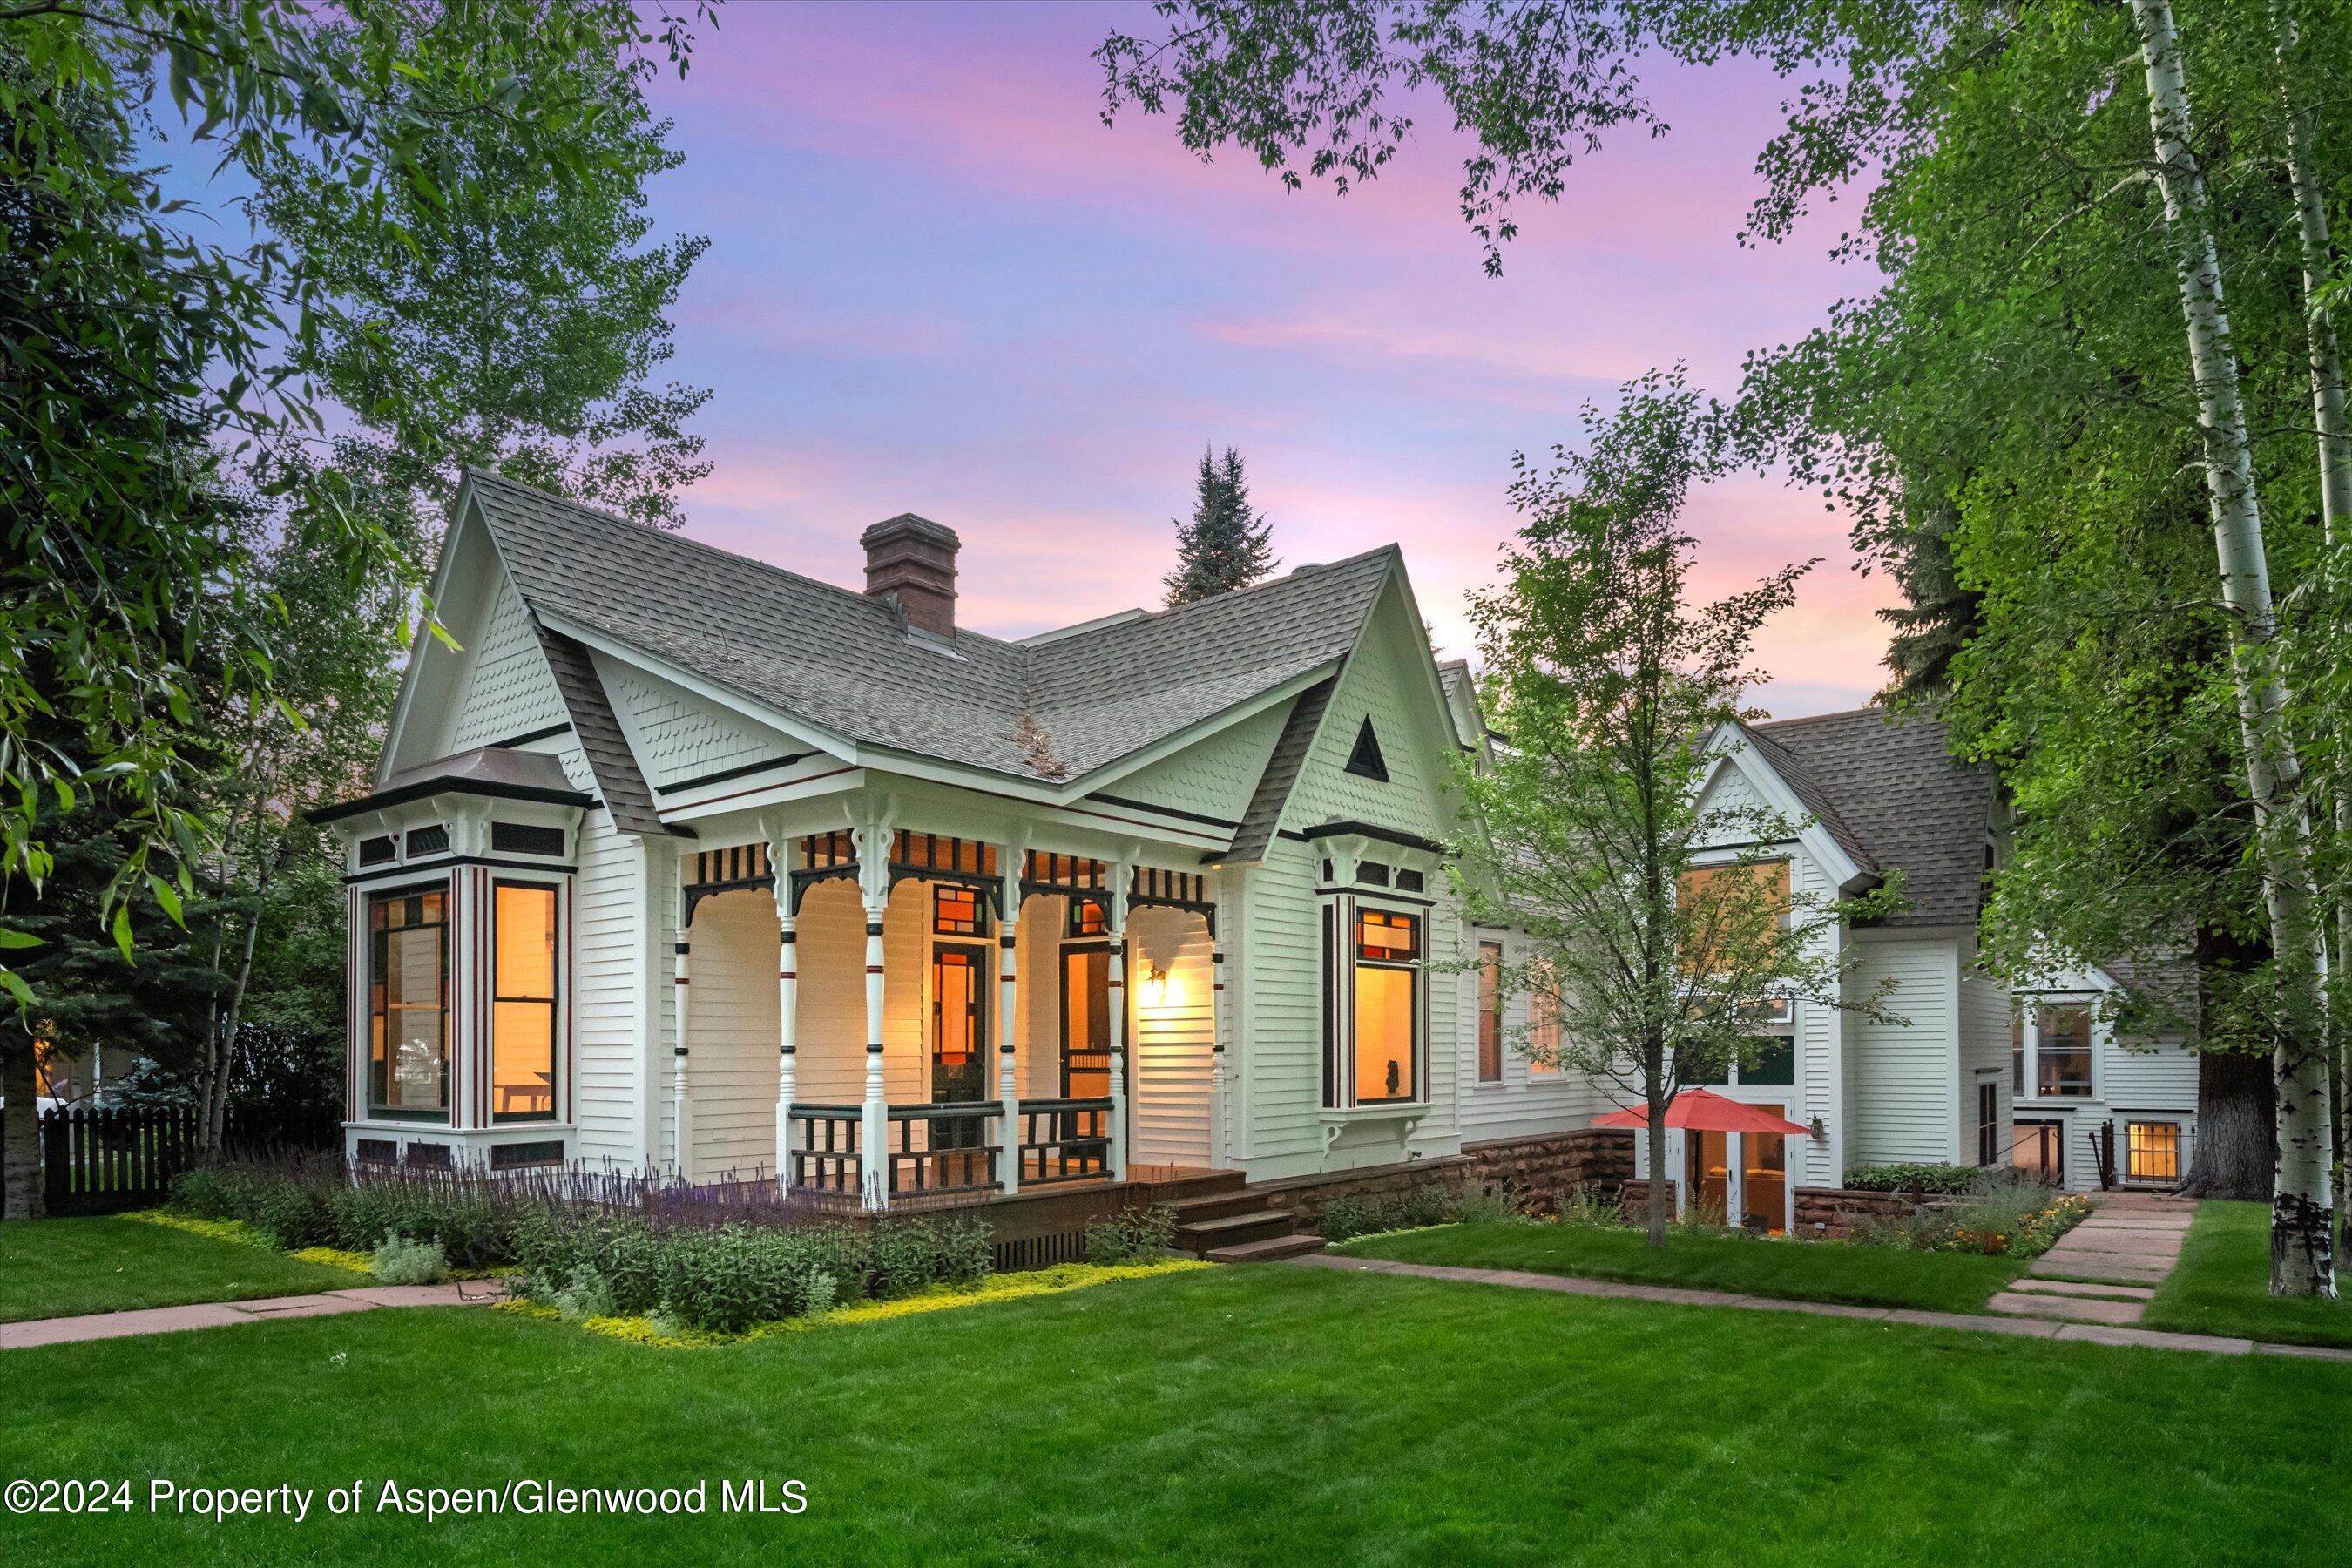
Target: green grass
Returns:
[1232, 1415]
[2222, 1285]
[1799, 1271]
[64, 1268]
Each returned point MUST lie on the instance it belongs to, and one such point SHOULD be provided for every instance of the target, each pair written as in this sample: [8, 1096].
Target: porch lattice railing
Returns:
[952, 1153]
[1065, 1141]
[825, 1156]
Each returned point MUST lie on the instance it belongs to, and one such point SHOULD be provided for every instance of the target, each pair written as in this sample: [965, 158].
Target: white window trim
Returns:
[2027, 1005]
[1339, 906]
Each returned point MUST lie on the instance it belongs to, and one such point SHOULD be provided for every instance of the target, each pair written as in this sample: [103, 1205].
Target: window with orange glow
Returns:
[522, 1002]
[1719, 896]
[1490, 1012]
[408, 1005]
[1388, 1007]
[1543, 1030]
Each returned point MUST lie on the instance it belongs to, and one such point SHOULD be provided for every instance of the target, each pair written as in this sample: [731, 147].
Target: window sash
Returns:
[525, 1047]
[1373, 953]
[397, 1058]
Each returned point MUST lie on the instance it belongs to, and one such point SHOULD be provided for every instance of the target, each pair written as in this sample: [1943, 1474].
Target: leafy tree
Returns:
[2040, 173]
[145, 356]
[1586, 828]
[525, 316]
[1225, 545]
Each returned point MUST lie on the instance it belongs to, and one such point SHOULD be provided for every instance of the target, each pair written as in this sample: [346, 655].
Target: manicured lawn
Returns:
[1270, 1415]
[2222, 1285]
[62, 1268]
[1800, 1271]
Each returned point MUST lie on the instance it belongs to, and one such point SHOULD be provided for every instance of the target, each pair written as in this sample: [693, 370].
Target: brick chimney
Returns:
[912, 561]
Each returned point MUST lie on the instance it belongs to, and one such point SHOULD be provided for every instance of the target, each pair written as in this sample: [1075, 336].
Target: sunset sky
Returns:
[938, 283]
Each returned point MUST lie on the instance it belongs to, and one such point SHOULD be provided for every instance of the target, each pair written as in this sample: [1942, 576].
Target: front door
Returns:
[959, 1041]
[1086, 1022]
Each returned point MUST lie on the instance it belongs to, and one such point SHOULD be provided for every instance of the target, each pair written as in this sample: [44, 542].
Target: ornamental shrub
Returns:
[1927, 1178]
[400, 1261]
[1132, 1235]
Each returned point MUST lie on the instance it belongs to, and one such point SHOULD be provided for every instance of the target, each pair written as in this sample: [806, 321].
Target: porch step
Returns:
[1227, 1230]
[1272, 1249]
[1216, 1206]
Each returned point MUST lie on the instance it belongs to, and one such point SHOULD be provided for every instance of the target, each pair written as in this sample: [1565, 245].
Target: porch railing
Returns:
[950, 1154]
[825, 1156]
[1065, 1141]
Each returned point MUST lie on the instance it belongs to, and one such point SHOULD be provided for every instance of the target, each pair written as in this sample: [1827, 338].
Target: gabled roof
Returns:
[846, 665]
[1888, 782]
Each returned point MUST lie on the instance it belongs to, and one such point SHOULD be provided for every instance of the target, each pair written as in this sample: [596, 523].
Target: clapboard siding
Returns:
[1172, 1066]
[1984, 1058]
[734, 1035]
[608, 988]
[1524, 1102]
[1903, 1091]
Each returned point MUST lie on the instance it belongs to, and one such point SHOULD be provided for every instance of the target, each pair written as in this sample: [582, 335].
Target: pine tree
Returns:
[1225, 545]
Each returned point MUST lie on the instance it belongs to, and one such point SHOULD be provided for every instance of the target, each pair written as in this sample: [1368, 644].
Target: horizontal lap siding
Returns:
[1284, 996]
[830, 958]
[2163, 1079]
[734, 1035]
[1172, 1066]
[1902, 1089]
[1524, 1102]
[1984, 1058]
[608, 989]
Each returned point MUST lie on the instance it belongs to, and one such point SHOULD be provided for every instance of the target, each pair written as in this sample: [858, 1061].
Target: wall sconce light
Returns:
[1821, 1128]
[1154, 991]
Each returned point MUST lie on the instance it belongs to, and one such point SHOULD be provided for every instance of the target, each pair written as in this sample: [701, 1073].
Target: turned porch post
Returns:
[1123, 874]
[787, 1018]
[874, 1127]
[680, 1104]
[1220, 1134]
[1008, 1069]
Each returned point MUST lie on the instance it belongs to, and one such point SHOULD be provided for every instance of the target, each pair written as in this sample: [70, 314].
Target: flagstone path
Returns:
[213, 1314]
[2106, 1269]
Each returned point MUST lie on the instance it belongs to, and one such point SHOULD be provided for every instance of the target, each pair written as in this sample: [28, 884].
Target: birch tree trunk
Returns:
[2326, 356]
[2302, 1221]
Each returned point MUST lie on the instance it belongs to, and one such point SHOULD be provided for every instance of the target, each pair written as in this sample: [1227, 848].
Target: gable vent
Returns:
[1365, 761]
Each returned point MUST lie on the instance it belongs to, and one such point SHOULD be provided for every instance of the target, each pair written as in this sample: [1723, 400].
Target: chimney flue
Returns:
[912, 560]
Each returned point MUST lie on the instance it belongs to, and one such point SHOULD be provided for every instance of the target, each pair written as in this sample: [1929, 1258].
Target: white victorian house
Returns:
[678, 861]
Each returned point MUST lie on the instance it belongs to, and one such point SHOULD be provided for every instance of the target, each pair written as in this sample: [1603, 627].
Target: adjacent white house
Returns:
[679, 862]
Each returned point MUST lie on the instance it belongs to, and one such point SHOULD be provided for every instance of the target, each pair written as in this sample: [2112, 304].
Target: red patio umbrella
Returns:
[1698, 1110]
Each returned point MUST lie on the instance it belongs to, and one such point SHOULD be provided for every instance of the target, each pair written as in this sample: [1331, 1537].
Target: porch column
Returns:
[680, 1104]
[1117, 935]
[873, 1135]
[1009, 856]
[1219, 1136]
[787, 1019]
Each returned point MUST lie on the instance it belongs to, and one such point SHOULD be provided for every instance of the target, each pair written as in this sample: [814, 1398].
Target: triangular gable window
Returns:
[1365, 761]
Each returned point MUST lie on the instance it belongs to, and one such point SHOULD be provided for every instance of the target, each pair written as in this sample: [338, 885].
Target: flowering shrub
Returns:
[1903, 1178]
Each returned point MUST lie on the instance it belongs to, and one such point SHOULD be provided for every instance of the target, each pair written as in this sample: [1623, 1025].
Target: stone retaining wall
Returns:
[1544, 1171]
[1832, 1211]
[1539, 1171]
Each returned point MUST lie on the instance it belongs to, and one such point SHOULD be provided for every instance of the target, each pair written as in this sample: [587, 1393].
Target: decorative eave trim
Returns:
[424, 789]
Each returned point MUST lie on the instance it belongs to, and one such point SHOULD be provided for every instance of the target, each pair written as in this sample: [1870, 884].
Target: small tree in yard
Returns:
[1226, 545]
[1651, 963]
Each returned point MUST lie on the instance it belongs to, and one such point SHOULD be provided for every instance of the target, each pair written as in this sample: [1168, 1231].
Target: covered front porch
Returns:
[953, 1017]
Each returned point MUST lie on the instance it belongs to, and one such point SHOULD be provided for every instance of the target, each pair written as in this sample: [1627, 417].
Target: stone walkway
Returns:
[2022, 1327]
[2106, 1269]
[213, 1314]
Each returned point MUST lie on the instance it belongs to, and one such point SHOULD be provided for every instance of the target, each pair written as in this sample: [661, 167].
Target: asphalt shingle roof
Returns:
[1282, 765]
[1894, 785]
[1056, 709]
[618, 777]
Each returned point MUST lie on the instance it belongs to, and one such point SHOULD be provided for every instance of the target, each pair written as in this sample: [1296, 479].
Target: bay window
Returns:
[1374, 1033]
